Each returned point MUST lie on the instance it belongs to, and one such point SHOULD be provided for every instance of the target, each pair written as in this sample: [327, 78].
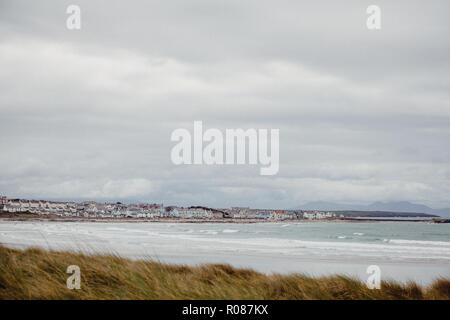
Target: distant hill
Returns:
[383, 214]
[399, 206]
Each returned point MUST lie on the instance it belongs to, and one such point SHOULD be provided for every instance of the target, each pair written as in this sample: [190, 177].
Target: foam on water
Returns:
[421, 242]
[230, 230]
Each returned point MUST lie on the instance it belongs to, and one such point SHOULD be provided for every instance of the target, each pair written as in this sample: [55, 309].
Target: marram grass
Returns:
[40, 274]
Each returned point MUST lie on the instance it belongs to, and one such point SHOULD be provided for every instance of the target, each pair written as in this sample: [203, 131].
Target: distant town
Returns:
[92, 209]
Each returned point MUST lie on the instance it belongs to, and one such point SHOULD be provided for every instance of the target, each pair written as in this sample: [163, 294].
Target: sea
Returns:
[404, 251]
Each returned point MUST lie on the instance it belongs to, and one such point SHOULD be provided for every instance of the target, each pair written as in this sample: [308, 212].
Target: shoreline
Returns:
[54, 218]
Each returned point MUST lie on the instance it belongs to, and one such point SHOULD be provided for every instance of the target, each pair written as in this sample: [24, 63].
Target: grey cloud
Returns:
[363, 116]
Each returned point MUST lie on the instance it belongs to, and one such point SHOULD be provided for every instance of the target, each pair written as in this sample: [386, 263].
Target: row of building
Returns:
[94, 209]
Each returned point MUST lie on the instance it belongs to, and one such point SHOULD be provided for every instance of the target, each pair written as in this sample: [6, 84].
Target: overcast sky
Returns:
[363, 115]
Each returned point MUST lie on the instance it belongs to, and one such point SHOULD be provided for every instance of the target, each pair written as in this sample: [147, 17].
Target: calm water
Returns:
[404, 251]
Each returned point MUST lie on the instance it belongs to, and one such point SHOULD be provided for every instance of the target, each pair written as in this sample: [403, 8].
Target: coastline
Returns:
[55, 218]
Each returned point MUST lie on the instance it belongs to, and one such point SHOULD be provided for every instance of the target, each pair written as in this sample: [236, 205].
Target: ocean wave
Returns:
[189, 238]
[423, 242]
[230, 230]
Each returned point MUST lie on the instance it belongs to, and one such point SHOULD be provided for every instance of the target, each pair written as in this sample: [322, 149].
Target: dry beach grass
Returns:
[40, 274]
